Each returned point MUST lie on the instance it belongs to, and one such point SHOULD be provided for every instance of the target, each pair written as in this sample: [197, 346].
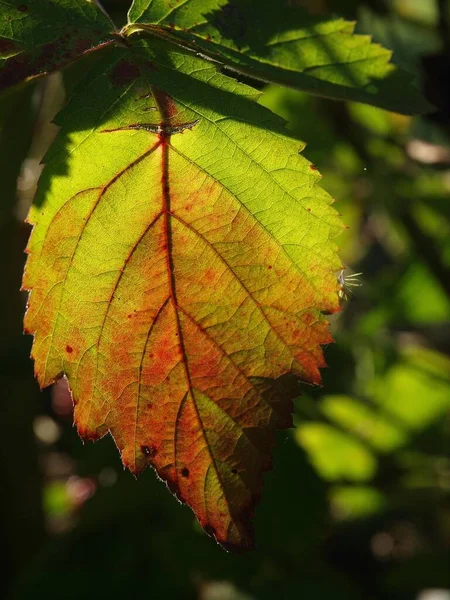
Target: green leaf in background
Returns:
[335, 454]
[412, 395]
[416, 390]
[287, 46]
[38, 37]
[365, 421]
[355, 501]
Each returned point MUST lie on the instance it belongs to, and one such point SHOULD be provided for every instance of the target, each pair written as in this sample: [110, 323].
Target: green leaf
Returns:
[336, 455]
[38, 36]
[181, 259]
[422, 377]
[356, 501]
[364, 421]
[183, 14]
[285, 46]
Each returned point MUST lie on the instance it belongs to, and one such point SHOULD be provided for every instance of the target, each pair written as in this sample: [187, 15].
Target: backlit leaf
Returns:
[38, 36]
[336, 455]
[181, 259]
[287, 46]
[182, 15]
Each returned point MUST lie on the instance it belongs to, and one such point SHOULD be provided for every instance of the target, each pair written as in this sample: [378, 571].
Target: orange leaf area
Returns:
[179, 321]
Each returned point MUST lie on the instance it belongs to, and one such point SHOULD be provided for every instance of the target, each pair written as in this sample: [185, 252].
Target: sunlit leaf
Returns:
[416, 390]
[180, 263]
[355, 501]
[336, 454]
[366, 422]
[287, 46]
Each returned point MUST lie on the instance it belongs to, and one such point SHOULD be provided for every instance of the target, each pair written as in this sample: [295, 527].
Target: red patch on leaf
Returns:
[166, 106]
[124, 73]
[8, 46]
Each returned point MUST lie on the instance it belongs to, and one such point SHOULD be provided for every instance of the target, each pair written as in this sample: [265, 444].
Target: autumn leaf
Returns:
[287, 46]
[181, 260]
[38, 37]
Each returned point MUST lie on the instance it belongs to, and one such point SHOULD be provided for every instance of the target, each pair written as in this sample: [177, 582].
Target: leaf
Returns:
[38, 36]
[336, 455]
[181, 258]
[285, 46]
[182, 15]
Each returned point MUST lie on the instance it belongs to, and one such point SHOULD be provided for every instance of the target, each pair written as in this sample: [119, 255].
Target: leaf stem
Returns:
[104, 11]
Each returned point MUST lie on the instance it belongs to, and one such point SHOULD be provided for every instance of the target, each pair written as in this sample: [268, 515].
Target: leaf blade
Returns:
[177, 282]
[39, 37]
[291, 48]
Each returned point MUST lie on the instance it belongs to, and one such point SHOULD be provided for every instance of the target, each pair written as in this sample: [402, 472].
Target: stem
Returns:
[103, 10]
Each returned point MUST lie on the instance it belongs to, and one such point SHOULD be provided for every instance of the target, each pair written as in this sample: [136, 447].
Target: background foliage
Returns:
[358, 505]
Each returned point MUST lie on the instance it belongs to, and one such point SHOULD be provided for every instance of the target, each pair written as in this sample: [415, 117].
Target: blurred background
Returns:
[358, 505]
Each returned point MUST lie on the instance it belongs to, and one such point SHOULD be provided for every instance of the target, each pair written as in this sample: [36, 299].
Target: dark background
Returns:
[358, 505]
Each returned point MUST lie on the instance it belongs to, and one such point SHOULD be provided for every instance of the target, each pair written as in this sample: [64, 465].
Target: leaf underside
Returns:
[181, 259]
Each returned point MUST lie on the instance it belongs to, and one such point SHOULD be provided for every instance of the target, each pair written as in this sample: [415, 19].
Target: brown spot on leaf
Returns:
[69, 349]
[313, 167]
[185, 472]
[150, 451]
[124, 73]
[8, 46]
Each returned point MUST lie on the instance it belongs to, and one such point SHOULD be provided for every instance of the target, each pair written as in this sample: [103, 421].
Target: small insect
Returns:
[347, 282]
